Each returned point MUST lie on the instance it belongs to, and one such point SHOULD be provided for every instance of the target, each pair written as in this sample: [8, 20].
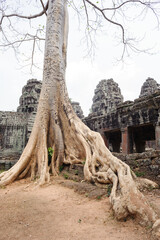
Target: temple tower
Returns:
[149, 87]
[107, 97]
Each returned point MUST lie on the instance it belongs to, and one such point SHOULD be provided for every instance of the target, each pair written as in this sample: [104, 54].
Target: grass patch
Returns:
[109, 189]
[65, 176]
[139, 174]
[99, 197]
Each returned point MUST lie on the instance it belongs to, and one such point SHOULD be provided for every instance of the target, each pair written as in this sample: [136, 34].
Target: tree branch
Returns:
[44, 8]
[106, 18]
[25, 17]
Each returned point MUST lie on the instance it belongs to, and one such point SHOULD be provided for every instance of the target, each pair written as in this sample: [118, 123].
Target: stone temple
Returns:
[126, 127]
[16, 127]
[107, 97]
[149, 87]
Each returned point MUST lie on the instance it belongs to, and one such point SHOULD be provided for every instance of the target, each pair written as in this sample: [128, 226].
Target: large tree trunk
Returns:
[57, 126]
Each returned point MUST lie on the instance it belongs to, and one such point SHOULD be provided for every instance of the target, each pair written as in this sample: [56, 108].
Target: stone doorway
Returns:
[113, 140]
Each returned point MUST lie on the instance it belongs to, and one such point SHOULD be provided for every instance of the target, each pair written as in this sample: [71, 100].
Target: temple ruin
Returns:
[16, 127]
[126, 127]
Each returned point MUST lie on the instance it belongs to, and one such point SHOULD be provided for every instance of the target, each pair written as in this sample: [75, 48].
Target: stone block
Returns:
[155, 169]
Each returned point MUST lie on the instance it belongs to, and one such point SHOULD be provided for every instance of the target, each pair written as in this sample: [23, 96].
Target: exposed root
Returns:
[144, 183]
[76, 144]
[156, 229]
[102, 167]
[21, 168]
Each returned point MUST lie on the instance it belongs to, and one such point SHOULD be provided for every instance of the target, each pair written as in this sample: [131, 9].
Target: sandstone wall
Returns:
[13, 129]
[146, 164]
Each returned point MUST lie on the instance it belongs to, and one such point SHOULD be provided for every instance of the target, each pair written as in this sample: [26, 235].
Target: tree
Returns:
[57, 126]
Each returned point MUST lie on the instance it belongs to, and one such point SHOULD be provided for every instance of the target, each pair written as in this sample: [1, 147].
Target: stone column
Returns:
[157, 136]
[125, 141]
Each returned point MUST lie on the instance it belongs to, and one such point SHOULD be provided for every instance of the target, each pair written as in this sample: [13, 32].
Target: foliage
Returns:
[61, 167]
[65, 176]
[139, 174]
[76, 172]
[50, 154]
[109, 189]
[99, 197]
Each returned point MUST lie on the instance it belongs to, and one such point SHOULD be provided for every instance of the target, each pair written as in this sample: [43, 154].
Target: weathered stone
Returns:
[30, 96]
[13, 128]
[147, 167]
[121, 156]
[78, 110]
[133, 156]
[16, 127]
[130, 126]
[149, 87]
[155, 169]
[144, 162]
[107, 97]
[113, 118]
[157, 160]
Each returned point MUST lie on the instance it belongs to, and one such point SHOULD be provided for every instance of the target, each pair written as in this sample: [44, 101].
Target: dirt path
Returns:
[56, 212]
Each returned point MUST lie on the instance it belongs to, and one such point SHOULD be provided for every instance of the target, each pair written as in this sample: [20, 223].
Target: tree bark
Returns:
[57, 126]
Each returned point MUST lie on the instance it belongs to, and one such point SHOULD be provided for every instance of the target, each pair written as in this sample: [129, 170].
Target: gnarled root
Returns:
[102, 167]
[33, 161]
[75, 143]
[156, 229]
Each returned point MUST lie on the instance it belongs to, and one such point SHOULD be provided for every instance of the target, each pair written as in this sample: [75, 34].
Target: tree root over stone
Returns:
[57, 126]
[100, 167]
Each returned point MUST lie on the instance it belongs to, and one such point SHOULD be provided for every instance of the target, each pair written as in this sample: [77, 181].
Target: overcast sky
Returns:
[84, 73]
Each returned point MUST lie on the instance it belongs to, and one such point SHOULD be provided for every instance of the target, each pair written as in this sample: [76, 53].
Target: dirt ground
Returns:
[57, 212]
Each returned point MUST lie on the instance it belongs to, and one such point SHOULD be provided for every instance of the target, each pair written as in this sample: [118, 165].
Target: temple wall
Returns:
[146, 164]
[13, 132]
[16, 127]
[128, 126]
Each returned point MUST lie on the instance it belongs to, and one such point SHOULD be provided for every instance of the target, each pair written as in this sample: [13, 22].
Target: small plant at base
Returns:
[65, 176]
[61, 168]
[109, 189]
[99, 197]
[76, 172]
[149, 227]
[50, 154]
[139, 174]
